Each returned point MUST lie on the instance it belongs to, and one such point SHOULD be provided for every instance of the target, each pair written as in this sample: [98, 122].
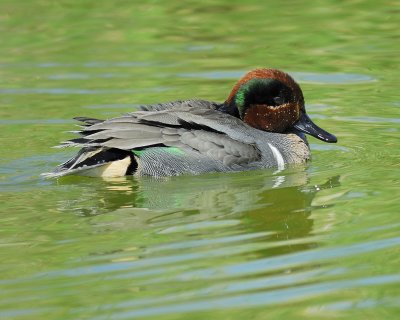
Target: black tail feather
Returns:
[92, 157]
[88, 121]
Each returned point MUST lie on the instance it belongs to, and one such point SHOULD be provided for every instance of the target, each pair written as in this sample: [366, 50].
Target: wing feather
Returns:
[194, 126]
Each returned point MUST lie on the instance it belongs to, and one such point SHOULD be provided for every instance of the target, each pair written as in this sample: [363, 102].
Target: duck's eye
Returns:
[278, 100]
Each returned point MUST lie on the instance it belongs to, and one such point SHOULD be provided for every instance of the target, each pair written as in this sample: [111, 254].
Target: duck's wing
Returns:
[205, 131]
[178, 139]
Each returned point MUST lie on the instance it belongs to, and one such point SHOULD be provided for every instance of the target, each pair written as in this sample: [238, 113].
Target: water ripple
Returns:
[291, 260]
[57, 91]
[85, 76]
[318, 78]
[90, 64]
[249, 300]
[35, 121]
[368, 119]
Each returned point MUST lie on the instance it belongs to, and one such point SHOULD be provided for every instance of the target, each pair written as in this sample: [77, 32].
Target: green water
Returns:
[319, 241]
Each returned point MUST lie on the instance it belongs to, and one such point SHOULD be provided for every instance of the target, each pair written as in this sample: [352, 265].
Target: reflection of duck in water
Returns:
[287, 212]
[277, 202]
[260, 125]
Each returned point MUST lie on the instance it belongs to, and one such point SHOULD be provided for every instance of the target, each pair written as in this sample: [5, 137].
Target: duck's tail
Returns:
[95, 161]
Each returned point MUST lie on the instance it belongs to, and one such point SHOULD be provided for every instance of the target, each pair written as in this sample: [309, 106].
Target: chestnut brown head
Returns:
[270, 100]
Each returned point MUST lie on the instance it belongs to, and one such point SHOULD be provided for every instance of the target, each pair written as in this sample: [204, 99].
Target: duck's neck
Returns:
[230, 109]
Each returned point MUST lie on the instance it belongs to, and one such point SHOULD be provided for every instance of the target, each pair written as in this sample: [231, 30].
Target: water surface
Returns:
[316, 241]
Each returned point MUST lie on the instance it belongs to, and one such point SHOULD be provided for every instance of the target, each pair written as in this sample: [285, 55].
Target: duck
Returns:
[262, 124]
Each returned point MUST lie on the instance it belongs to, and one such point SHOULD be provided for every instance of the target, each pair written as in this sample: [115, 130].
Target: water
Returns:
[319, 241]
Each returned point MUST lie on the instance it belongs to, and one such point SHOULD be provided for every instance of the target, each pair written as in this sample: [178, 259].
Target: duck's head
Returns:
[270, 100]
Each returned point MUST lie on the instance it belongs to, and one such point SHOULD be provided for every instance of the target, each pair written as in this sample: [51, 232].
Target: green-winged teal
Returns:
[260, 125]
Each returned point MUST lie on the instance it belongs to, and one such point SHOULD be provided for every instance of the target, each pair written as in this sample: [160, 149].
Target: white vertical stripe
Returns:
[278, 157]
[278, 181]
